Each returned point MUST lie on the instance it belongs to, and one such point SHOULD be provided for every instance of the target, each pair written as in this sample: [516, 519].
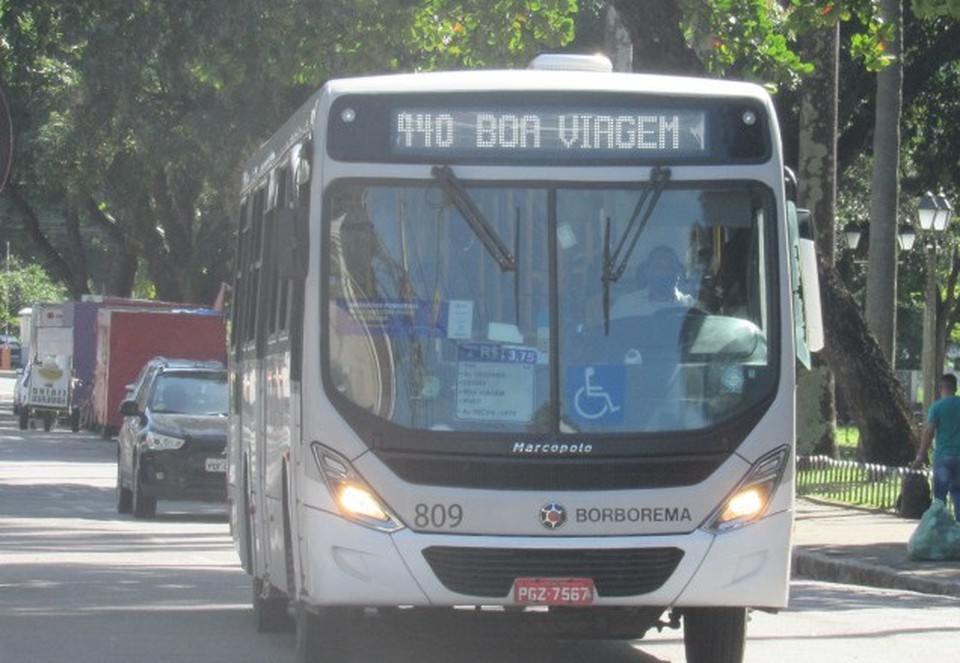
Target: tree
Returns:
[885, 188]
[144, 112]
[21, 285]
[817, 177]
[725, 46]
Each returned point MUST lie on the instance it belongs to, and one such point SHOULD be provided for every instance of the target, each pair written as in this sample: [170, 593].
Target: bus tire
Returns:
[246, 521]
[322, 637]
[714, 635]
[270, 611]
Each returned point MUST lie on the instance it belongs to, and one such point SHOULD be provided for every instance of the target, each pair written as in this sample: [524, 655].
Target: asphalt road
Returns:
[80, 583]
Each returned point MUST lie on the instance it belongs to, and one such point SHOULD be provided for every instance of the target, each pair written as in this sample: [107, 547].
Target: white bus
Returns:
[522, 341]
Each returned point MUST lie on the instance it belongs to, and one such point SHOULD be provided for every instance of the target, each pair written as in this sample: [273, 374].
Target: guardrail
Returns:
[852, 482]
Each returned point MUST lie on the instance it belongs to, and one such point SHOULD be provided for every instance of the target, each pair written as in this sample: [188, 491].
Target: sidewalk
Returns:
[843, 544]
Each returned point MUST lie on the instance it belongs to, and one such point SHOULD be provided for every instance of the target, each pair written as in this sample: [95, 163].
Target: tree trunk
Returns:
[884, 193]
[877, 402]
[659, 45]
[56, 263]
[74, 255]
[123, 265]
[817, 179]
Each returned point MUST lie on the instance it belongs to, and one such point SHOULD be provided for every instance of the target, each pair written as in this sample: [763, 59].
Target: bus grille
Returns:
[490, 572]
[543, 474]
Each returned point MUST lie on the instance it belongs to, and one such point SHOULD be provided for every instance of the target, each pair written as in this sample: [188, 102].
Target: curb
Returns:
[816, 566]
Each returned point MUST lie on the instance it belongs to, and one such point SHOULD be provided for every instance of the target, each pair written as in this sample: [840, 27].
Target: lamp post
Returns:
[934, 214]
[853, 234]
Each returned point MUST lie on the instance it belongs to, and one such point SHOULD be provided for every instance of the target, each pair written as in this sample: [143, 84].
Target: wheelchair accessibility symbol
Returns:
[596, 393]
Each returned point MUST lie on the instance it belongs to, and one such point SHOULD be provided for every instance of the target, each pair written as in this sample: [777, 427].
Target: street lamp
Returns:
[853, 232]
[906, 236]
[934, 214]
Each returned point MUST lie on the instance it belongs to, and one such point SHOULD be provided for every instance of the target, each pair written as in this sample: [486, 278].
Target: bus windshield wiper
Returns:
[486, 233]
[615, 262]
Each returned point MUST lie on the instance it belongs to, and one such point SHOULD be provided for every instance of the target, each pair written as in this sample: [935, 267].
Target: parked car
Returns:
[172, 441]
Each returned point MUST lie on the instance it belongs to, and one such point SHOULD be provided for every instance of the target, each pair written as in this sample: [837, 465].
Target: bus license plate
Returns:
[216, 465]
[553, 591]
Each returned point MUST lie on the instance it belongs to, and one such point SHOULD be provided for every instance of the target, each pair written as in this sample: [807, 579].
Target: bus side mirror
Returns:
[810, 280]
[291, 242]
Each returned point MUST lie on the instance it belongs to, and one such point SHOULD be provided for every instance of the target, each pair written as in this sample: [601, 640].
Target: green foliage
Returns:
[936, 8]
[752, 37]
[475, 33]
[148, 108]
[756, 39]
[22, 285]
[868, 46]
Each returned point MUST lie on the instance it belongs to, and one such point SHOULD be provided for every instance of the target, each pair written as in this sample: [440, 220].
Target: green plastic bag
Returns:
[937, 537]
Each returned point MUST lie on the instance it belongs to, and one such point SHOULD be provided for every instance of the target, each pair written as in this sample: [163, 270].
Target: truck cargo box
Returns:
[85, 320]
[128, 339]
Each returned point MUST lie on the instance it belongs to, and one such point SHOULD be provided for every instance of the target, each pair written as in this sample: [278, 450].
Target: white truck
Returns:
[47, 384]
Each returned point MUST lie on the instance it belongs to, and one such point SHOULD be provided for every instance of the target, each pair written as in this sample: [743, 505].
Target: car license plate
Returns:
[553, 591]
[216, 465]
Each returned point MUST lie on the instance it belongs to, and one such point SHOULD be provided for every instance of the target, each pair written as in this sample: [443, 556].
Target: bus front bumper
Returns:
[345, 564]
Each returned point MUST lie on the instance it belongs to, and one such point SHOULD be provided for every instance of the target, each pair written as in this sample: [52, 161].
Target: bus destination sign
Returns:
[613, 133]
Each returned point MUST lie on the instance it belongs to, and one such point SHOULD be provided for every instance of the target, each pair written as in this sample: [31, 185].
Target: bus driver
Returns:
[658, 278]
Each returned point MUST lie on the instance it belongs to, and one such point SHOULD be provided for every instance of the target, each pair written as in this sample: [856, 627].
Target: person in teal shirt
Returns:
[943, 424]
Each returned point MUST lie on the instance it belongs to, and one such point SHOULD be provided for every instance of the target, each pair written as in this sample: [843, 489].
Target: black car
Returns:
[171, 445]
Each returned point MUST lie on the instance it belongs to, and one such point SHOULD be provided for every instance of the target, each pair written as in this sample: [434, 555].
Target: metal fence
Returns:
[851, 482]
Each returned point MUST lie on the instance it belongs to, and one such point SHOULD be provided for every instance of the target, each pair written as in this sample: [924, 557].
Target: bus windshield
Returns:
[555, 331]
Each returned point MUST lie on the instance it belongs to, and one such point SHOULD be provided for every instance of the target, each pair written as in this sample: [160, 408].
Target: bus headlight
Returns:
[750, 499]
[353, 497]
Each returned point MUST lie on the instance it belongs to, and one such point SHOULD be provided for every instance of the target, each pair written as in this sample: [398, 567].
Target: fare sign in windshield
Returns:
[570, 133]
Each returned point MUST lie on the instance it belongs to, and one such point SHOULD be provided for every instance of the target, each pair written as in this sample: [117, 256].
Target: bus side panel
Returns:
[237, 473]
[250, 425]
[276, 443]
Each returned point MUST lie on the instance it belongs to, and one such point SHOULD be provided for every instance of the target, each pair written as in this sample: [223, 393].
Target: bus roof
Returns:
[544, 80]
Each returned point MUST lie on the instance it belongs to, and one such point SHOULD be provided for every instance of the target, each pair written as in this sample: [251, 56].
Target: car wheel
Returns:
[124, 495]
[144, 506]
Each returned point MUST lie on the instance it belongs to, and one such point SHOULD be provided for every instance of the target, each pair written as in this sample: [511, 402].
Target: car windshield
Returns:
[197, 393]
[597, 312]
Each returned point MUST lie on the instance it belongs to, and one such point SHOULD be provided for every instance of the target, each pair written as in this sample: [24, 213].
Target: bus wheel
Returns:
[323, 637]
[269, 611]
[714, 635]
